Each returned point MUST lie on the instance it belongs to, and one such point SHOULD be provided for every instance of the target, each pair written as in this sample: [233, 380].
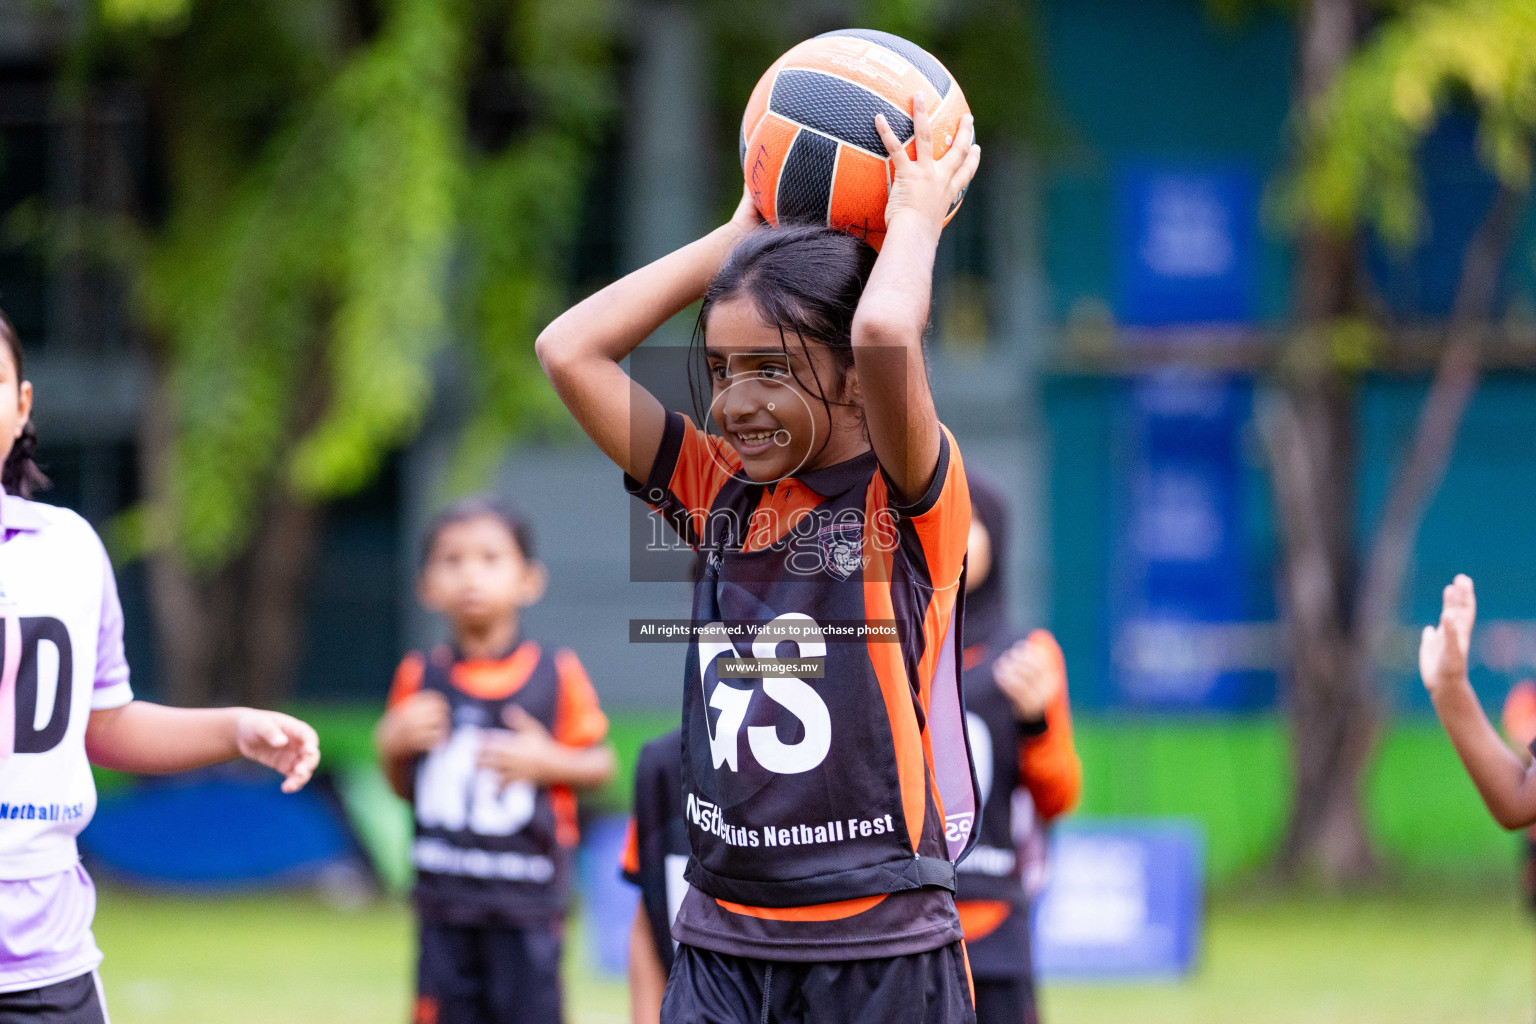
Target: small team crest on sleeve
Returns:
[842, 548]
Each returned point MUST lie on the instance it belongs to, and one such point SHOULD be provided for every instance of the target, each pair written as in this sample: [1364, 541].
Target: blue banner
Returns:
[1178, 581]
[608, 903]
[1124, 899]
[1188, 246]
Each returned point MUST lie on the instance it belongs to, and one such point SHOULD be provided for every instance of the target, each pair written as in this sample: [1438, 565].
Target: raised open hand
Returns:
[1444, 649]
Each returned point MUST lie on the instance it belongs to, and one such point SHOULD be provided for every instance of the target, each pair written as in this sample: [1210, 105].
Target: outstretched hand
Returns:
[922, 185]
[1444, 649]
[281, 742]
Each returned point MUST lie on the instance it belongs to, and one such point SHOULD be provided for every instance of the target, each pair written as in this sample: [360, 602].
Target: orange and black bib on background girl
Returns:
[853, 780]
[484, 852]
[1029, 773]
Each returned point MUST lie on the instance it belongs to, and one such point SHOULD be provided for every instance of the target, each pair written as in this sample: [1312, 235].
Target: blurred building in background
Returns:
[1147, 540]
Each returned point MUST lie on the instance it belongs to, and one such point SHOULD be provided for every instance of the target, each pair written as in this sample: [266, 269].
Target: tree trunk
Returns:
[273, 586]
[231, 635]
[1310, 431]
[1338, 614]
[1337, 619]
[1451, 389]
[183, 621]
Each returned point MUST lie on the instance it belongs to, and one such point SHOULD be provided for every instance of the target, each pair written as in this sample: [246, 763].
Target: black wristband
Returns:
[1033, 727]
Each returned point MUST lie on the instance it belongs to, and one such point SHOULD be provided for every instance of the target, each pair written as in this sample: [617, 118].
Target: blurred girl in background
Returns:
[1021, 738]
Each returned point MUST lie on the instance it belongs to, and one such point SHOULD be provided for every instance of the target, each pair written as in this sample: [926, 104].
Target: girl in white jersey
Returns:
[65, 704]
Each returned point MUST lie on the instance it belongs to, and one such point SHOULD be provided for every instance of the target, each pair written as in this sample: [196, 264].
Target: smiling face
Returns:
[782, 404]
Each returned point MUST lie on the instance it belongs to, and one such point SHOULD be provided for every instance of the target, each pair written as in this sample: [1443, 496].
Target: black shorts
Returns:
[1005, 1001]
[488, 975]
[920, 988]
[76, 1001]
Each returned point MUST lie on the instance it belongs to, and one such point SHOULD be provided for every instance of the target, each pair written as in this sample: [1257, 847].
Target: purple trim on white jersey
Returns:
[111, 688]
[45, 930]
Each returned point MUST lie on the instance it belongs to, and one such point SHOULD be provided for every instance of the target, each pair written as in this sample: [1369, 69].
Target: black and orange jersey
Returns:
[656, 846]
[813, 794]
[485, 852]
[1038, 758]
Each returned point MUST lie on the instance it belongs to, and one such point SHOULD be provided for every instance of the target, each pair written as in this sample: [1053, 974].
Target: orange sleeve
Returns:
[1519, 718]
[942, 517]
[704, 464]
[1048, 764]
[629, 861]
[938, 527]
[690, 468]
[407, 681]
[579, 721]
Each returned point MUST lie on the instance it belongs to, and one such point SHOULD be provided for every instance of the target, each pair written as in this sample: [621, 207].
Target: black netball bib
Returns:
[791, 784]
[992, 871]
[661, 838]
[485, 851]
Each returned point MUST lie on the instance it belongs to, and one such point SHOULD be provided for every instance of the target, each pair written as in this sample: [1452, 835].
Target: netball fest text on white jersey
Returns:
[54, 583]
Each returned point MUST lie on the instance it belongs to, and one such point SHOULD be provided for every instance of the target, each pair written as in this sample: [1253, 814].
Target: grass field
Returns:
[1228, 775]
[1448, 958]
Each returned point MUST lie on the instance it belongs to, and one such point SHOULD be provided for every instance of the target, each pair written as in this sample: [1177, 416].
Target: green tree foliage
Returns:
[335, 217]
[1361, 141]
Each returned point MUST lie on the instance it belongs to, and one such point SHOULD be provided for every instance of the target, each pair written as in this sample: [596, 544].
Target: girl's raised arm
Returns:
[893, 311]
[581, 350]
[1504, 781]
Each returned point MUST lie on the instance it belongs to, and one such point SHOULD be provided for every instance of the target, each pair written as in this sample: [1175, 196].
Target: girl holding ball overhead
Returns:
[822, 851]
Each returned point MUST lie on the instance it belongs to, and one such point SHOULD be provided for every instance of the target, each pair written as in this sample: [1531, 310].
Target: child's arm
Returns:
[893, 311]
[647, 979]
[1503, 780]
[151, 739]
[409, 729]
[526, 750]
[1033, 675]
[581, 350]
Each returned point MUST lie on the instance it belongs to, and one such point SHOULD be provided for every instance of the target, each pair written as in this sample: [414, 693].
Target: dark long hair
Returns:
[21, 475]
[804, 281]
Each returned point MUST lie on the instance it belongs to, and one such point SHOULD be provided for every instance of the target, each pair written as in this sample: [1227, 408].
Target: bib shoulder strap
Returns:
[437, 669]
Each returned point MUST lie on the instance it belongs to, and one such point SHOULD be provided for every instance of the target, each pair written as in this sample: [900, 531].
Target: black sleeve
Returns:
[654, 491]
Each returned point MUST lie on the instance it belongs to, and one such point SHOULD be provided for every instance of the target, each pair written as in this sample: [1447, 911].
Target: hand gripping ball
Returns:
[809, 149]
